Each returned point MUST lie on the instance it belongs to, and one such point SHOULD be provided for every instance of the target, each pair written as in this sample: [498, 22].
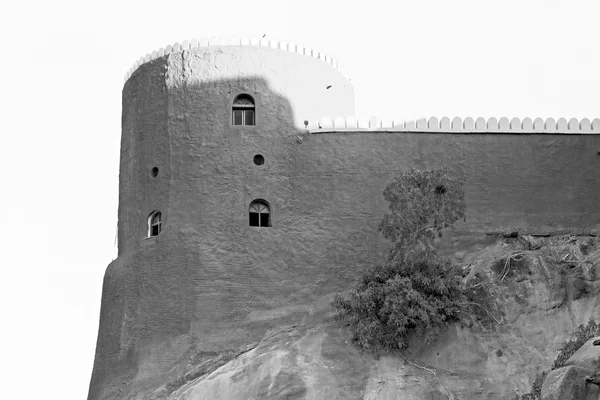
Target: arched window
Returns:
[260, 213]
[243, 110]
[154, 223]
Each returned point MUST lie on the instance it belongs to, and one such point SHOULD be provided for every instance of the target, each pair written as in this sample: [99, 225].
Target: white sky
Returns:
[63, 64]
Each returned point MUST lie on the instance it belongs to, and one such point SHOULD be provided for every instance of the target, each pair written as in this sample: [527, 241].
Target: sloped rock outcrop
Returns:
[578, 379]
[568, 383]
[587, 356]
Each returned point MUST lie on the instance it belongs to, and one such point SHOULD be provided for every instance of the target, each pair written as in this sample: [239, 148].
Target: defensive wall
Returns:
[210, 284]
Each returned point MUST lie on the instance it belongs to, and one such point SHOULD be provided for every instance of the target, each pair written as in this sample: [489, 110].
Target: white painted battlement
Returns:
[243, 41]
[468, 125]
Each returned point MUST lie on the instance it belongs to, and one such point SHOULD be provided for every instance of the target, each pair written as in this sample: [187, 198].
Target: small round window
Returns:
[259, 160]
[154, 172]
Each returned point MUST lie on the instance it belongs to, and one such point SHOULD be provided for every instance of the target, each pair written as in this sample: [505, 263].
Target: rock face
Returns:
[578, 379]
[316, 359]
[568, 383]
[588, 356]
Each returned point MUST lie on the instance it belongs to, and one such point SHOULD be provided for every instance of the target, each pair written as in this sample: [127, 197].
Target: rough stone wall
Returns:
[531, 183]
[210, 284]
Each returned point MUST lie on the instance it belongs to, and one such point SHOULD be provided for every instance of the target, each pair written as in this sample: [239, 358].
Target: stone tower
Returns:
[191, 270]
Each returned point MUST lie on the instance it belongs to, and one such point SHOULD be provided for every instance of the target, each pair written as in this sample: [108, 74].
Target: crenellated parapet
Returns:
[468, 125]
[242, 41]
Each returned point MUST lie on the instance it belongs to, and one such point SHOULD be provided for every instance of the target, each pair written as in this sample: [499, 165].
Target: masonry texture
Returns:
[209, 284]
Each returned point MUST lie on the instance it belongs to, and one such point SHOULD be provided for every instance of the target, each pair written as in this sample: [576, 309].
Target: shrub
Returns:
[418, 292]
[415, 290]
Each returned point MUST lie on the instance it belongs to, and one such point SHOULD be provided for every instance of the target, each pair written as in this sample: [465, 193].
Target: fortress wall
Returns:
[533, 183]
[209, 284]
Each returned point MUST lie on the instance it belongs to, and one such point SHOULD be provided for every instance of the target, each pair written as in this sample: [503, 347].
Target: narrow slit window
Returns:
[243, 111]
[154, 223]
[260, 214]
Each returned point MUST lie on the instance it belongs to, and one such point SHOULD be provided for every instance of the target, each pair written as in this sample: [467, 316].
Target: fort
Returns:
[244, 201]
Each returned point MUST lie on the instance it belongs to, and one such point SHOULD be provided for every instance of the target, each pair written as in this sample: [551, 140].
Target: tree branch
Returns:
[428, 370]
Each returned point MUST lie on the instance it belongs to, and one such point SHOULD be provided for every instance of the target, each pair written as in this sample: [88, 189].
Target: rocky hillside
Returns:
[545, 288]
